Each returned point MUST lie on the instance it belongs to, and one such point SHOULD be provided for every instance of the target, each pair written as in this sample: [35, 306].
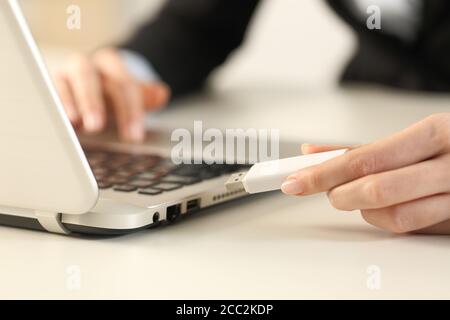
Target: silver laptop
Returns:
[50, 181]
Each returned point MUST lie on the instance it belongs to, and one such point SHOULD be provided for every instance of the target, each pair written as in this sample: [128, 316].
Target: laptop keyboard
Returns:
[149, 174]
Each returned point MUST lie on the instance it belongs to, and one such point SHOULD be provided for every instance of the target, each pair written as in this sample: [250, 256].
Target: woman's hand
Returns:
[93, 86]
[400, 183]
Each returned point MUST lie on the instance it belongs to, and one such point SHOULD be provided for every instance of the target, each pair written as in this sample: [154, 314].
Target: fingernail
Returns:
[92, 123]
[137, 131]
[304, 147]
[292, 187]
[71, 115]
[161, 95]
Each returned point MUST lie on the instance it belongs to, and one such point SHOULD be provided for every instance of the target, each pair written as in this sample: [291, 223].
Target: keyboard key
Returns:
[205, 174]
[125, 188]
[95, 154]
[139, 167]
[181, 179]
[100, 174]
[95, 162]
[104, 185]
[146, 158]
[96, 158]
[116, 179]
[140, 183]
[163, 186]
[188, 170]
[148, 176]
[116, 164]
[166, 166]
[99, 170]
[150, 191]
[145, 162]
[124, 173]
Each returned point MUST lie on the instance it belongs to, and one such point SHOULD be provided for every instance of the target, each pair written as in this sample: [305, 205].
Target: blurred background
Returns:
[102, 20]
[284, 33]
[291, 60]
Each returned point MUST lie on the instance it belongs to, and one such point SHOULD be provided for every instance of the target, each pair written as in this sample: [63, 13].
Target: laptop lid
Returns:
[42, 165]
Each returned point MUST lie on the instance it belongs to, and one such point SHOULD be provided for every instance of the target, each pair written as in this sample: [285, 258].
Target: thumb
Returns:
[156, 95]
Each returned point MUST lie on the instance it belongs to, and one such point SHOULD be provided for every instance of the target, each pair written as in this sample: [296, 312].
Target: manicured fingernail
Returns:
[137, 131]
[92, 123]
[292, 187]
[304, 147]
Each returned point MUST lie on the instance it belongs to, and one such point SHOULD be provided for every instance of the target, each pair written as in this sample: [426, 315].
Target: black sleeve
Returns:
[423, 65]
[435, 39]
[189, 38]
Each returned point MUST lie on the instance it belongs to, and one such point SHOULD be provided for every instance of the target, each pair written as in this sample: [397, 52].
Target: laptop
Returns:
[54, 181]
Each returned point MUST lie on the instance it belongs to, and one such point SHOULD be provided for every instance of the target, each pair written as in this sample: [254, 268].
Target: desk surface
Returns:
[271, 246]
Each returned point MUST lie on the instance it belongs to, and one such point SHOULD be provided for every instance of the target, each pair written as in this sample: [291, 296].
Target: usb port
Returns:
[193, 205]
[173, 212]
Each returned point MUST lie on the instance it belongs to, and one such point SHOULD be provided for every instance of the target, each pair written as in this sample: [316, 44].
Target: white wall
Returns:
[296, 40]
[101, 20]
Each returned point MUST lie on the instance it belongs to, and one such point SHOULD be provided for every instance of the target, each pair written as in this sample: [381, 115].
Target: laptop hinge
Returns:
[51, 222]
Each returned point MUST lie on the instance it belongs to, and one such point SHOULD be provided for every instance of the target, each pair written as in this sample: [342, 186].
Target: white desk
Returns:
[269, 247]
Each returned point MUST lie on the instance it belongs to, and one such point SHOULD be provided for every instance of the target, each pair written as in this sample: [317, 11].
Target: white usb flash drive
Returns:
[270, 175]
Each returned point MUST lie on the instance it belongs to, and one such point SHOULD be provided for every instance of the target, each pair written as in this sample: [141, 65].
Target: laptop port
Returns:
[156, 217]
[173, 212]
[193, 205]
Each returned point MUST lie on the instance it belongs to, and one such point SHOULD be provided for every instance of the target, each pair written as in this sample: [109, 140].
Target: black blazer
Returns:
[190, 38]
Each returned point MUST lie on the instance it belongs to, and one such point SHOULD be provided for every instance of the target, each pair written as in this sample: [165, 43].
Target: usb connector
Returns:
[235, 182]
[270, 175]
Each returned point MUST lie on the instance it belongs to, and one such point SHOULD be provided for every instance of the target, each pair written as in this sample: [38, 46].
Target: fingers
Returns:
[156, 95]
[87, 92]
[396, 186]
[88, 80]
[417, 143]
[124, 94]
[314, 148]
[126, 100]
[418, 215]
[67, 99]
